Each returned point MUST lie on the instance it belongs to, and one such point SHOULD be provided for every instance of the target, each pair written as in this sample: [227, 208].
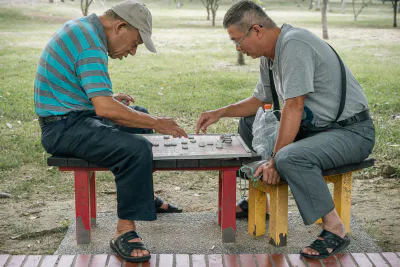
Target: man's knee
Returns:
[287, 159]
[245, 130]
[135, 146]
[246, 123]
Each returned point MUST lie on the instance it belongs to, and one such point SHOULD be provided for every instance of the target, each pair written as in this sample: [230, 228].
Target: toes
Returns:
[139, 253]
[310, 251]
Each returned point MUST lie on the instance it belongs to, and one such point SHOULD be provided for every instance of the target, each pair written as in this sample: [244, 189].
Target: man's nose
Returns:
[133, 51]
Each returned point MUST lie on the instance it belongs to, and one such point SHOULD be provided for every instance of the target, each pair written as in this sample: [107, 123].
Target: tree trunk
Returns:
[178, 4]
[298, 3]
[324, 20]
[214, 13]
[51, 1]
[343, 5]
[240, 59]
[395, 13]
[85, 6]
[208, 13]
[311, 4]
[318, 5]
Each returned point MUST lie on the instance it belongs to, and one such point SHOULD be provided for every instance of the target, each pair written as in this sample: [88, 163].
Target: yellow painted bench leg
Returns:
[278, 217]
[257, 209]
[342, 198]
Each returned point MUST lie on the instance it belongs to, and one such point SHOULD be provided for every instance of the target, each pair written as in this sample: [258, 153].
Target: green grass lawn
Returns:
[194, 71]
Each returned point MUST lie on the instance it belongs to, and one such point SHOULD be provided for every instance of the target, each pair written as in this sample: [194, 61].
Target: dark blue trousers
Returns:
[128, 156]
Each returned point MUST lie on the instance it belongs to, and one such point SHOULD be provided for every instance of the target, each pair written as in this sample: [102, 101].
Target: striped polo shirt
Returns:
[73, 68]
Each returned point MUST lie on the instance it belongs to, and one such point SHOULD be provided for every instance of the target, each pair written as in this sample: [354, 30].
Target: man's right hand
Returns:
[167, 125]
[206, 119]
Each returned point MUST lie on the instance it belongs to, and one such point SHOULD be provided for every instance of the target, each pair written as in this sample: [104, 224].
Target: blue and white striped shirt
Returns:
[73, 68]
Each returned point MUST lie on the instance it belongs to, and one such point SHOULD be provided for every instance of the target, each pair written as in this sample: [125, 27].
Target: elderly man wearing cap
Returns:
[74, 100]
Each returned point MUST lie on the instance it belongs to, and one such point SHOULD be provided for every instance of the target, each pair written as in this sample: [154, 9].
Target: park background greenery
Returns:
[194, 71]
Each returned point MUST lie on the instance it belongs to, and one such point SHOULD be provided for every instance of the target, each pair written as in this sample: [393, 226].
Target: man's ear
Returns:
[258, 30]
[120, 26]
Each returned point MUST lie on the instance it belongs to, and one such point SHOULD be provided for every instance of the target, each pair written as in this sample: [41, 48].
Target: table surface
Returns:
[236, 149]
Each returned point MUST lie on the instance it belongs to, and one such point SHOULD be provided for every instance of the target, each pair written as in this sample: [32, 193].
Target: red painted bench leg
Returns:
[219, 196]
[93, 210]
[228, 204]
[82, 206]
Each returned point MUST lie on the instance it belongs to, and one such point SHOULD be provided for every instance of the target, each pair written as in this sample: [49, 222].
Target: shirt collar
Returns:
[284, 29]
[95, 21]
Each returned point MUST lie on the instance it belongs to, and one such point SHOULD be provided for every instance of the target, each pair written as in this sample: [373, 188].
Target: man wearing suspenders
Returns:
[324, 121]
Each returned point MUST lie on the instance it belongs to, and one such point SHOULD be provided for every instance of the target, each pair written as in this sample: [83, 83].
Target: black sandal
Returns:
[330, 240]
[244, 205]
[124, 248]
[171, 208]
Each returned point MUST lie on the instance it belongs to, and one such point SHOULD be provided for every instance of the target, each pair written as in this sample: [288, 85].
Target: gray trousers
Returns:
[300, 163]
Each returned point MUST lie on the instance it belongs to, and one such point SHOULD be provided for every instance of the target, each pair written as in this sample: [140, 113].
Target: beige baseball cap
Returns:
[137, 15]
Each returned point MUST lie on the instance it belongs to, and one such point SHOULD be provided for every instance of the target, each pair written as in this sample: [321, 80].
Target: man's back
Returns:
[72, 68]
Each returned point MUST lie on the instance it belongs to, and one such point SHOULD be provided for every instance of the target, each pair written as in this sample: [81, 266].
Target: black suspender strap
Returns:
[342, 96]
[273, 90]
[344, 84]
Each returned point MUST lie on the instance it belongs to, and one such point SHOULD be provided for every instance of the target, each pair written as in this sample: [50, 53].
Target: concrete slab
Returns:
[198, 233]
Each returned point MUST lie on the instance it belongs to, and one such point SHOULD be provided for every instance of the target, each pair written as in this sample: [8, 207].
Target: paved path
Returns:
[198, 233]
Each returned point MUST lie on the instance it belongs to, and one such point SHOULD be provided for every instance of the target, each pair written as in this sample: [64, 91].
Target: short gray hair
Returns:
[114, 16]
[246, 13]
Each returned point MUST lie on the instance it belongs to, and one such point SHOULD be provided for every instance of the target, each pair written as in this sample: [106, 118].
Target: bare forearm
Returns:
[290, 122]
[123, 115]
[244, 108]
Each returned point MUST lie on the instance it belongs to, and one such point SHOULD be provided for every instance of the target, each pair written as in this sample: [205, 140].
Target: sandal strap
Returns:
[330, 240]
[127, 247]
[158, 202]
[244, 205]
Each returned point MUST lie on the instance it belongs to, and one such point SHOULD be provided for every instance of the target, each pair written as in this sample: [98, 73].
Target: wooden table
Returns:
[85, 186]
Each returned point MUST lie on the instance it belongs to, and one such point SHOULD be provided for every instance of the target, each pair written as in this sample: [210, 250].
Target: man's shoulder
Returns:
[298, 34]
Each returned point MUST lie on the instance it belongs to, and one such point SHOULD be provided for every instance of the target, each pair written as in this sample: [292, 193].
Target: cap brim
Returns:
[148, 42]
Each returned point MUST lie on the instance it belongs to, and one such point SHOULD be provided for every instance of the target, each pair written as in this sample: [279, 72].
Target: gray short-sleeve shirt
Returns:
[306, 65]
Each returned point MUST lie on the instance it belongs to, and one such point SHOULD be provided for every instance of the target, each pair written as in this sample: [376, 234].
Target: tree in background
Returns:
[356, 13]
[343, 5]
[85, 6]
[206, 4]
[324, 20]
[395, 3]
[211, 7]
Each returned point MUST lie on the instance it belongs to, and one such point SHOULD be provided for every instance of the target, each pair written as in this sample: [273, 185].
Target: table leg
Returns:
[219, 196]
[228, 216]
[93, 209]
[82, 206]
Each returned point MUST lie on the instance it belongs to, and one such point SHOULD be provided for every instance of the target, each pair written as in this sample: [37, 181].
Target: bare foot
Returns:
[124, 226]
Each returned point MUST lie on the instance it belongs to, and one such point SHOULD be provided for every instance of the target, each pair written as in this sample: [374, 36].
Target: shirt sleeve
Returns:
[92, 72]
[298, 68]
[263, 89]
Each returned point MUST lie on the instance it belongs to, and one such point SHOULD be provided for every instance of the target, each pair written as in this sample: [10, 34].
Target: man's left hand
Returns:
[269, 173]
[124, 98]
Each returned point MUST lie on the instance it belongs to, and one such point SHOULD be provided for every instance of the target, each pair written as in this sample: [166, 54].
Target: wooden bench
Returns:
[341, 177]
[85, 189]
